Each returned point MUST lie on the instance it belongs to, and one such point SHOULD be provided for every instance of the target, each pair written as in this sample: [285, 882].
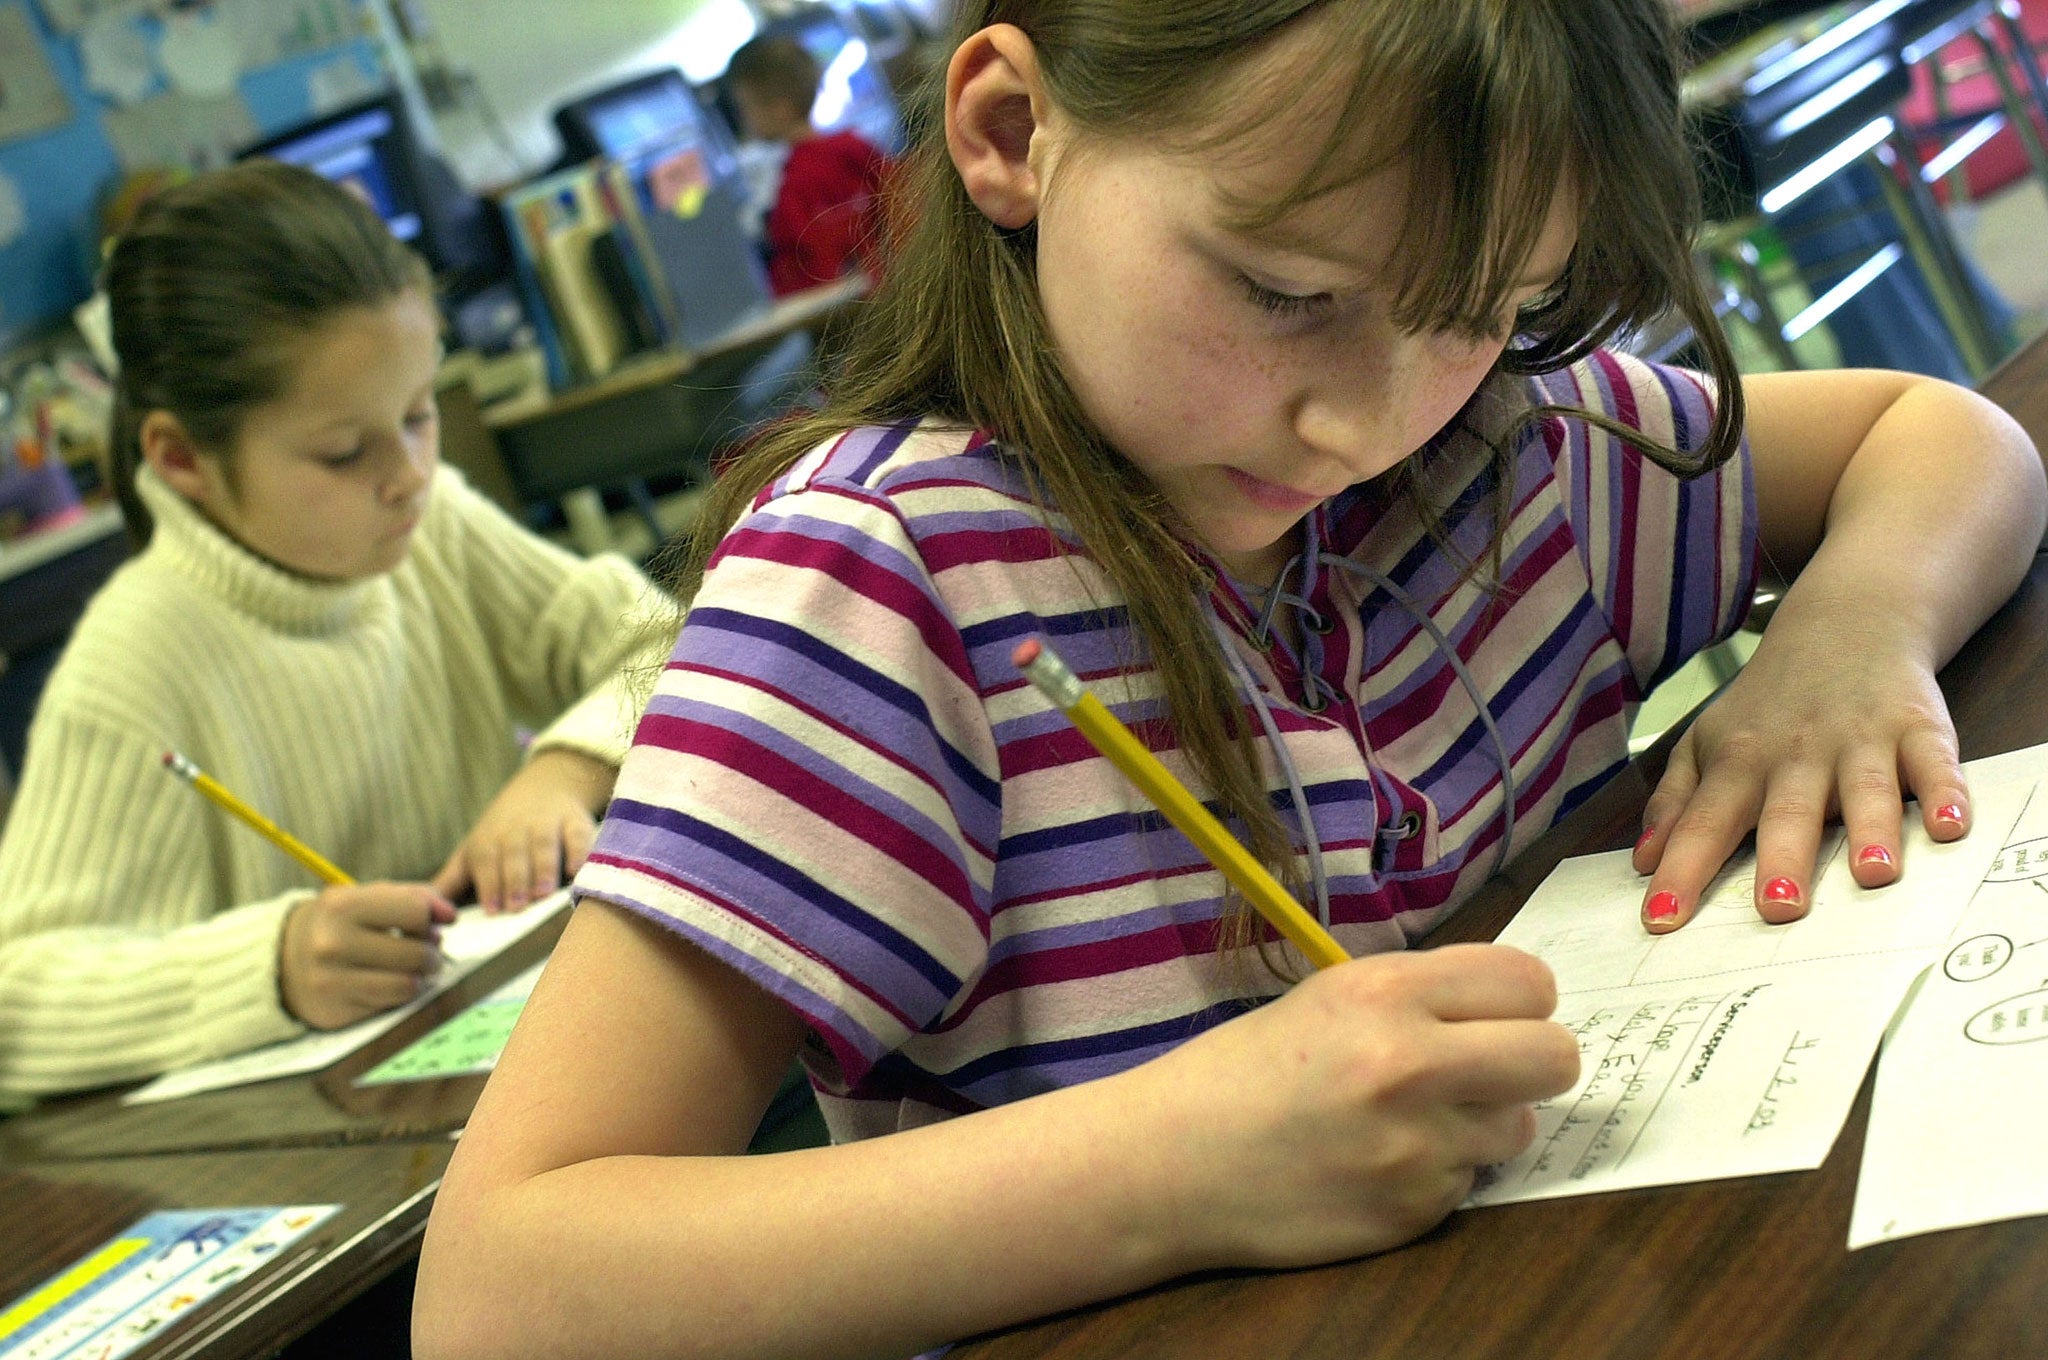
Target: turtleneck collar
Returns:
[185, 540]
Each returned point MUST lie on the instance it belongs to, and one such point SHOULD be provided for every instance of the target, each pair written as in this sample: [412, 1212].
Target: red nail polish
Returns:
[1949, 812]
[1781, 890]
[1873, 854]
[1644, 839]
[1662, 907]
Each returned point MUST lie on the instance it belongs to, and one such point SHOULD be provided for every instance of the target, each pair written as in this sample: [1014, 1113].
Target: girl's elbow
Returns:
[432, 1336]
[455, 1312]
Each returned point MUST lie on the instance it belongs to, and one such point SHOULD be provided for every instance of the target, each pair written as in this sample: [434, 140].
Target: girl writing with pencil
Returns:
[340, 632]
[1253, 354]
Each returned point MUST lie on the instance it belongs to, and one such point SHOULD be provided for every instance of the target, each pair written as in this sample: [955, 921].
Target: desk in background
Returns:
[325, 1109]
[661, 413]
[1750, 1269]
[59, 1213]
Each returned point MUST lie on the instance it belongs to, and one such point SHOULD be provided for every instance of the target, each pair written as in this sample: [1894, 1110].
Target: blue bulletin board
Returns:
[293, 59]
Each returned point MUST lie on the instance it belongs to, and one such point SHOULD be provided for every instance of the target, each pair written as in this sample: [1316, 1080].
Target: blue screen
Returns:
[623, 123]
[357, 153]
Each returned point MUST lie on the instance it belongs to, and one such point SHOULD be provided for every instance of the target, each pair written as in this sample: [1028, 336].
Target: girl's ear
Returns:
[170, 452]
[995, 109]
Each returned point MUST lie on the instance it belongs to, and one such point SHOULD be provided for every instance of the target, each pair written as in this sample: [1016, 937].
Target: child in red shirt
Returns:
[826, 220]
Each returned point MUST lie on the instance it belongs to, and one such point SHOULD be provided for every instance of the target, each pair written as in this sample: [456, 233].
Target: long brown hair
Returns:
[212, 287]
[1502, 100]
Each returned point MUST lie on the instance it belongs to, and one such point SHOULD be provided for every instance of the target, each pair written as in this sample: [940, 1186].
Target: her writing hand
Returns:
[358, 949]
[1349, 1115]
[1832, 714]
[535, 831]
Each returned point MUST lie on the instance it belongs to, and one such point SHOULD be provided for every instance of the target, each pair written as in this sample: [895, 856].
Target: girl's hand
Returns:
[1831, 714]
[1349, 1115]
[359, 949]
[536, 830]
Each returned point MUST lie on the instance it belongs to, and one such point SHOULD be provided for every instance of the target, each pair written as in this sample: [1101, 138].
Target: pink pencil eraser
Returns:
[1026, 653]
[170, 759]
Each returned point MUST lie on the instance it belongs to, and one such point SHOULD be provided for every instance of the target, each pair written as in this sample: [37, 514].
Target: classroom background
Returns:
[1878, 192]
[574, 176]
[577, 179]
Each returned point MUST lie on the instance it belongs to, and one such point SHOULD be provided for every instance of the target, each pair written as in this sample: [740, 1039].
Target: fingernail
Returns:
[1874, 854]
[1951, 813]
[1644, 839]
[1661, 907]
[1781, 890]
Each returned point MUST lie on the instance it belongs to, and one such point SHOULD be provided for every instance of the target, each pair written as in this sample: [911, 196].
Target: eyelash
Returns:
[1287, 306]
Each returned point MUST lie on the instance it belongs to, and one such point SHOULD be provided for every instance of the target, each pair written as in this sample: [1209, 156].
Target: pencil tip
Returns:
[1026, 653]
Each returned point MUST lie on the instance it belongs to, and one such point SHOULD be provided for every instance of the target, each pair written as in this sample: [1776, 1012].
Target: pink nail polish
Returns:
[1781, 890]
[1644, 839]
[1874, 854]
[1949, 812]
[1662, 906]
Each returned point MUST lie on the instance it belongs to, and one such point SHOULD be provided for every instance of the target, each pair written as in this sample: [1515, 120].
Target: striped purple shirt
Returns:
[844, 789]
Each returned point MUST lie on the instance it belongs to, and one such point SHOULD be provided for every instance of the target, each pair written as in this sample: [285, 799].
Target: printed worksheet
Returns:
[1731, 1047]
[465, 1044]
[132, 1287]
[1956, 1125]
[473, 938]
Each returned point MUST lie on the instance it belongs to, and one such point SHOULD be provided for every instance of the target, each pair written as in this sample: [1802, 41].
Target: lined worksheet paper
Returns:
[1959, 1122]
[465, 945]
[1732, 1047]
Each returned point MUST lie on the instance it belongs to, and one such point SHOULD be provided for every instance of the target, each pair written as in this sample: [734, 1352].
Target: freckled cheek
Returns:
[1448, 388]
[1226, 384]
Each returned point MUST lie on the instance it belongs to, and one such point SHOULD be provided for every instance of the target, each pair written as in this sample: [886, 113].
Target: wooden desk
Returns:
[811, 307]
[55, 1215]
[1753, 1268]
[324, 1109]
[664, 412]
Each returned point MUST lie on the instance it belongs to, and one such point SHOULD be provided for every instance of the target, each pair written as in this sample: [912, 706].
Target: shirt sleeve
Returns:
[116, 961]
[812, 795]
[576, 639]
[1672, 559]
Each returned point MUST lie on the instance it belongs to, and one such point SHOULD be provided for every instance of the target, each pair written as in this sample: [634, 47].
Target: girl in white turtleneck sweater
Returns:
[340, 631]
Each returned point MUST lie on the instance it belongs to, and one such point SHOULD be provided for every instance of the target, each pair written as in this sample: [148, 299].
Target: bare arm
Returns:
[1904, 510]
[1889, 487]
[593, 1209]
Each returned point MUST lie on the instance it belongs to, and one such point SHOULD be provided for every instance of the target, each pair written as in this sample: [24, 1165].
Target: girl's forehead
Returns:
[1296, 147]
[1284, 131]
[1268, 195]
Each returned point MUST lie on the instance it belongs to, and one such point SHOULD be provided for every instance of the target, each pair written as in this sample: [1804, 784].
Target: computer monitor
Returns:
[370, 147]
[681, 158]
[623, 120]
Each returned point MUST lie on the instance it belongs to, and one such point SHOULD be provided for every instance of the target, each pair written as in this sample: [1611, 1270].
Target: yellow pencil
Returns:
[269, 830]
[1043, 667]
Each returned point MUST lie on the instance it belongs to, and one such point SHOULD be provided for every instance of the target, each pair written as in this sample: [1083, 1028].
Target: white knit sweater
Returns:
[374, 719]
